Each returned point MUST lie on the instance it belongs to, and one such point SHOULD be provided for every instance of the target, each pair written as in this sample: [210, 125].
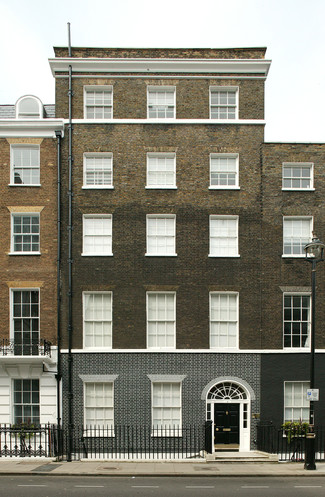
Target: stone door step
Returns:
[239, 457]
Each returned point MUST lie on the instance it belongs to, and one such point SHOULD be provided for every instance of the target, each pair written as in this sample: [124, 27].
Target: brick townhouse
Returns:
[178, 276]
[184, 294]
[28, 262]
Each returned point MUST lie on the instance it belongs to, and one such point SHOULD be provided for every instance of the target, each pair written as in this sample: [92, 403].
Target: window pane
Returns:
[161, 103]
[223, 320]
[160, 235]
[223, 104]
[99, 103]
[296, 318]
[25, 232]
[26, 165]
[99, 405]
[98, 170]
[97, 320]
[223, 171]
[296, 406]
[296, 234]
[161, 170]
[223, 236]
[25, 314]
[26, 401]
[296, 176]
[160, 320]
[97, 235]
[166, 405]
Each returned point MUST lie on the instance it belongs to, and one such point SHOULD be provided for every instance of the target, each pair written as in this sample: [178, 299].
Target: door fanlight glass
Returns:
[227, 390]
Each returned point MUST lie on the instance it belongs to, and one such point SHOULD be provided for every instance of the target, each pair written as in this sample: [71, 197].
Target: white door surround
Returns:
[231, 390]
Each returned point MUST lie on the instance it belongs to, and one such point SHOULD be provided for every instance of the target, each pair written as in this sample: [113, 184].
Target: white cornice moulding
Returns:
[213, 122]
[43, 128]
[193, 351]
[173, 66]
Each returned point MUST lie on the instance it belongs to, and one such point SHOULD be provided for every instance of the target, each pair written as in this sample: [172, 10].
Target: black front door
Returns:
[226, 424]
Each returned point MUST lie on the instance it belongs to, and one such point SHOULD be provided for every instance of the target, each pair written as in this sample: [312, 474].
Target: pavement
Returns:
[48, 467]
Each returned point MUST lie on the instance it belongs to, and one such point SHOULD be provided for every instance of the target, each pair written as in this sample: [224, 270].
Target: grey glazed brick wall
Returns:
[132, 388]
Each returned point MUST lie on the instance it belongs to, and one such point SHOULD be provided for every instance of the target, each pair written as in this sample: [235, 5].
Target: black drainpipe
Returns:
[70, 262]
[58, 376]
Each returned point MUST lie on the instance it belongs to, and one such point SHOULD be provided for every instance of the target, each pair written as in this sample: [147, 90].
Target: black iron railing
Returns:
[9, 347]
[135, 442]
[115, 442]
[41, 441]
[276, 441]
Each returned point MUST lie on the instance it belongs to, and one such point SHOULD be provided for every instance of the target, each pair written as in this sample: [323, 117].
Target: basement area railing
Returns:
[288, 448]
[29, 441]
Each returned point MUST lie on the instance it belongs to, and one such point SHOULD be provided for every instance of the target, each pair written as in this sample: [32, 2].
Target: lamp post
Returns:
[314, 254]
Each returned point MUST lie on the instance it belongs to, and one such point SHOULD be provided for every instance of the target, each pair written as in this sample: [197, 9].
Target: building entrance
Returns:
[228, 403]
[226, 424]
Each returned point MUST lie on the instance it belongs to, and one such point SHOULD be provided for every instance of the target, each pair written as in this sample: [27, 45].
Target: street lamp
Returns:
[314, 254]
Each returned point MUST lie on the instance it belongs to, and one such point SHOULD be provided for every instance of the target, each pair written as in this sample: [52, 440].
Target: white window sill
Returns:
[97, 187]
[298, 189]
[25, 184]
[24, 253]
[96, 255]
[295, 256]
[161, 349]
[161, 187]
[98, 349]
[296, 349]
[225, 349]
[158, 119]
[224, 256]
[160, 255]
[224, 187]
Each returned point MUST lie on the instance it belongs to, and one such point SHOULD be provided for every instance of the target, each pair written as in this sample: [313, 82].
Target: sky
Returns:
[292, 30]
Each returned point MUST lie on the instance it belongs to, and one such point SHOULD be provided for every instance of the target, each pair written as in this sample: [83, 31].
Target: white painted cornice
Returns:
[169, 121]
[42, 128]
[172, 66]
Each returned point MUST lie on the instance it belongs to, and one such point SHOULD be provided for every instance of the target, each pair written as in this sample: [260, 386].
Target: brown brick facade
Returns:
[280, 273]
[30, 271]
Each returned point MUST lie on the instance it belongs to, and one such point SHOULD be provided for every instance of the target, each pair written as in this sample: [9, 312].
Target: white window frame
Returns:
[298, 165]
[94, 321]
[225, 321]
[305, 347]
[33, 347]
[24, 404]
[304, 406]
[108, 236]
[173, 236]
[161, 89]
[297, 218]
[225, 173]
[232, 89]
[31, 167]
[160, 321]
[98, 156]
[22, 234]
[170, 156]
[165, 429]
[90, 88]
[235, 220]
[98, 429]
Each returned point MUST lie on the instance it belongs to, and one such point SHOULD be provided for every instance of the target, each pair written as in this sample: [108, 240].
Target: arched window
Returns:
[227, 390]
[29, 107]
